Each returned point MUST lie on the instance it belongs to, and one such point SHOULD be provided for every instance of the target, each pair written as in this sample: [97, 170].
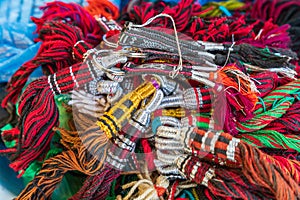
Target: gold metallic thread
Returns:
[136, 96]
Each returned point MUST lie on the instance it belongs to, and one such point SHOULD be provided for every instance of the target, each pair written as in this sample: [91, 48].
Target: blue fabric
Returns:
[16, 47]
[9, 66]
[21, 10]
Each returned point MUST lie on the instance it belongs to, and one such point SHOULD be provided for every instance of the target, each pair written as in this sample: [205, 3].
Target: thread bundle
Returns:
[166, 101]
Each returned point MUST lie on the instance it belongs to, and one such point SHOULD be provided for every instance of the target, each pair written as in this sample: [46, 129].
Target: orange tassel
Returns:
[103, 8]
[232, 77]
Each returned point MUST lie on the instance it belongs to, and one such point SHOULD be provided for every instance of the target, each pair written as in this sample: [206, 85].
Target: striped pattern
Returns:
[208, 141]
[113, 120]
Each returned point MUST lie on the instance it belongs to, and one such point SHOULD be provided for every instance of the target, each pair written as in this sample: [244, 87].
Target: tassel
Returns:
[266, 9]
[87, 158]
[102, 8]
[132, 132]
[39, 113]
[231, 76]
[72, 14]
[223, 183]
[260, 121]
[270, 35]
[62, 46]
[238, 99]
[282, 92]
[182, 13]
[282, 12]
[264, 58]
[53, 169]
[97, 187]
[255, 165]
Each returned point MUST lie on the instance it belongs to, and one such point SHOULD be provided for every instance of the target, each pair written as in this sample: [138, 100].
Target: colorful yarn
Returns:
[260, 121]
[218, 8]
[180, 100]
[271, 139]
[288, 90]
[288, 123]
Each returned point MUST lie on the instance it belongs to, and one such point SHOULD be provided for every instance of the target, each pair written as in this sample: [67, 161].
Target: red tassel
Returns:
[70, 23]
[54, 54]
[38, 114]
[98, 186]
[182, 13]
[74, 15]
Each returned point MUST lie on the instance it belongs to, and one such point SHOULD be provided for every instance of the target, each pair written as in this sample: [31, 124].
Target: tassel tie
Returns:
[192, 98]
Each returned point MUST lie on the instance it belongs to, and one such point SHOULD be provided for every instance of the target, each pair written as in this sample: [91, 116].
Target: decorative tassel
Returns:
[264, 58]
[62, 46]
[254, 164]
[181, 13]
[72, 14]
[132, 131]
[37, 102]
[102, 8]
[238, 99]
[53, 169]
[282, 92]
[221, 182]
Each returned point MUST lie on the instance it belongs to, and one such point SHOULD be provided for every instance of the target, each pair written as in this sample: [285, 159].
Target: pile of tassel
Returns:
[158, 100]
